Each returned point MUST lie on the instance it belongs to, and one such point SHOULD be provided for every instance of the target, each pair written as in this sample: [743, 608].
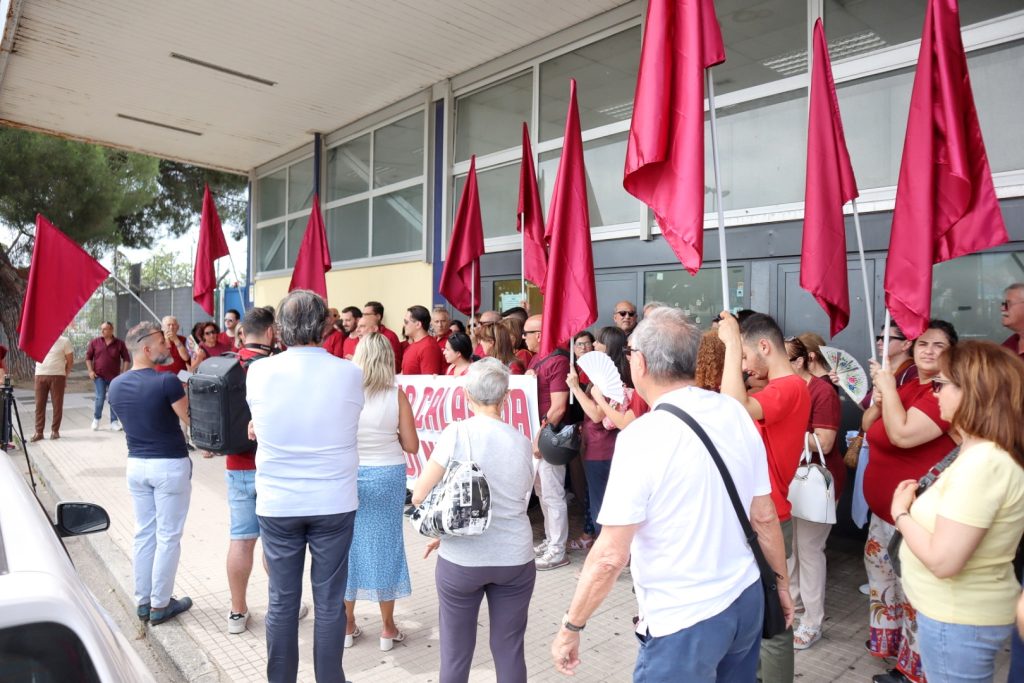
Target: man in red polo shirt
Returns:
[1013, 317]
[375, 311]
[349, 321]
[781, 411]
[227, 337]
[440, 325]
[422, 356]
[106, 358]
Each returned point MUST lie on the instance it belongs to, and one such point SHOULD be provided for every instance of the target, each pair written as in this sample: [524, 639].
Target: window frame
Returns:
[282, 164]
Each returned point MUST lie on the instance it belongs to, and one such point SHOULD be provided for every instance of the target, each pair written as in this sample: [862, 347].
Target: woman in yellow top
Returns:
[960, 536]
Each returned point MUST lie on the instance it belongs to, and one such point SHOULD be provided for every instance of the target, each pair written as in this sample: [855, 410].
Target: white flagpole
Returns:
[864, 278]
[718, 190]
[885, 339]
[129, 290]
[572, 361]
[522, 258]
[472, 295]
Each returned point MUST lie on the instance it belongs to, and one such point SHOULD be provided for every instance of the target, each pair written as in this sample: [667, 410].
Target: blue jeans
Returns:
[597, 481]
[161, 490]
[951, 653]
[724, 647]
[1016, 657]
[284, 547]
[102, 386]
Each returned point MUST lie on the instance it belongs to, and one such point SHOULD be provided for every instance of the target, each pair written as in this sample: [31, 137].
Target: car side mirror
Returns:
[75, 519]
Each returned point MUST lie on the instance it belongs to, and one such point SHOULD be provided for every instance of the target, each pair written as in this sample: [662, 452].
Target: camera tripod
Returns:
[9, 416]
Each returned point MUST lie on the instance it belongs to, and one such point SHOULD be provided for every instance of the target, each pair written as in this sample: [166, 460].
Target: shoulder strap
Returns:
[931, 475]
[545, 359]
[748, 531]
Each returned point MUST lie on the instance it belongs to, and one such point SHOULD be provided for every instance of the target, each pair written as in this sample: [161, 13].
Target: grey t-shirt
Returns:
[506, 458]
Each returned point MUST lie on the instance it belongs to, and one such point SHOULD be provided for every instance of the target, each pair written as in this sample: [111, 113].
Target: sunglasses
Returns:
[937, 385]
[526, 332]
[626, 314]
[892, 338]
[627, 351]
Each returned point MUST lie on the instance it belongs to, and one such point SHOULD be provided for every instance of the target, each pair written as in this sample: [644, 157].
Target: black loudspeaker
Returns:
[218, 414]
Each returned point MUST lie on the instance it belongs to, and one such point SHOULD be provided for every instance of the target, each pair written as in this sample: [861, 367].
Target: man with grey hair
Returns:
[697, 582]
[150, 405]
[305, 406]
[1012, 307]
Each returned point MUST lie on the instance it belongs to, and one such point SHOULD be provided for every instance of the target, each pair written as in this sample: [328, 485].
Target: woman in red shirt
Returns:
[458, 353]
[907, 436]
[807, 564]
[211, 346]
[497, 342]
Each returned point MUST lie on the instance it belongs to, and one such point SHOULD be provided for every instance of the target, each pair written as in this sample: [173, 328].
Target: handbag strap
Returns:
[807, 457]
[748, 531]
[931, 475]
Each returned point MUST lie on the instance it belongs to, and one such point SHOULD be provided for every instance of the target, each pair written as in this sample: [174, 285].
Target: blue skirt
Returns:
[377, 570]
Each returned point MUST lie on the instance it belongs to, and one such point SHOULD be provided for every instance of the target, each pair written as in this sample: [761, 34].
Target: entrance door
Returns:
[611, 289]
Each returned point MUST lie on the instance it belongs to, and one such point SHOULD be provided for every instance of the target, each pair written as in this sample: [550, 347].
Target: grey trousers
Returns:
[776, 664]
[460, 591]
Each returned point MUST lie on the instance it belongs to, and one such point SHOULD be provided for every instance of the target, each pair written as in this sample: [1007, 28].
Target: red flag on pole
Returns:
[946, 203]
[830, 184]
[665, 155]
[211, 247]
[530, 220]
[460, 279]
[314, 258]
[570, 302]
[61, 279]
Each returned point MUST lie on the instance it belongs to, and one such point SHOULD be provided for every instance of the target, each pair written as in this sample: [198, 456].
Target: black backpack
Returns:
[218, 414]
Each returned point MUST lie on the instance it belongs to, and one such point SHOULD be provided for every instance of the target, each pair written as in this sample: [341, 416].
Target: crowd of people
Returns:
[944, 474]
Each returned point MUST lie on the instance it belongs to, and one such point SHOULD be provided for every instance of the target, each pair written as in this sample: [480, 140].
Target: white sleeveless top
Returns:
[378, 431]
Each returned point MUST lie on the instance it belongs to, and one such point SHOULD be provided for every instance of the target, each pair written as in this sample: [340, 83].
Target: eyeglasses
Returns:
[937, 384]
[626, 314]
[1005, 305]
[210, 332]
[892, 338]
[627, 351]
[584, 343]
[148, 334]
[526, 332]
[793, 359]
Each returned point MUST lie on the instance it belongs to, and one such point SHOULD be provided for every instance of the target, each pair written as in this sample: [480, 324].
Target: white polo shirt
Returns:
[690, 560]
[305, 407]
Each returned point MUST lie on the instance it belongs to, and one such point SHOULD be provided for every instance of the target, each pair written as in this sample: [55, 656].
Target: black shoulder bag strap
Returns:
[769, 578]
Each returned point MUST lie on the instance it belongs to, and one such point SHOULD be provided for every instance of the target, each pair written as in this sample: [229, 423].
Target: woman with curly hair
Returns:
[710, 362]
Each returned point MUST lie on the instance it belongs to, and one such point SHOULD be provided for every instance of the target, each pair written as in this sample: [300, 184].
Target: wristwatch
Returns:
[571, 626]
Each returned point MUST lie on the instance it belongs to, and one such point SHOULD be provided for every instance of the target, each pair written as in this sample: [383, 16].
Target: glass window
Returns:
[491, 119]
[509, 294]
[967, 292]
[300, 186]
[348, 231]
[270, 191]
[398, 151]
[499, 198]
[348, 168]
[608, 202]
[764, 42]
[271, 247]
[605, 74]
[999, 107]
[762, 146]
[700, 295]
[296, 230]
[398, 222]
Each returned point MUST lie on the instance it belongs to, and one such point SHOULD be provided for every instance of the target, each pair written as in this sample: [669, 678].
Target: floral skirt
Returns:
[893, 619]
[377, 570]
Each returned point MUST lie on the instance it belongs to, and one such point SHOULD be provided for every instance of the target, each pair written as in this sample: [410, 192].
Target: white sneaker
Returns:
[541, 548]
[115, 426]
[551, 561]
[237, 622]
[95, 425]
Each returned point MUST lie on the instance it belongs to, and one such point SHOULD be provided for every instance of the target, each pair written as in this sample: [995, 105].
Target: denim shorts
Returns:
[242, 500]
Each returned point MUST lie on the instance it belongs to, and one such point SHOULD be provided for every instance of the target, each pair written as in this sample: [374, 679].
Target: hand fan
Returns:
[603, 373]
[852, 377]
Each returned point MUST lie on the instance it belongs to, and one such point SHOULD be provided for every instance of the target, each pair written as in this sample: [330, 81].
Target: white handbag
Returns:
[812, 491]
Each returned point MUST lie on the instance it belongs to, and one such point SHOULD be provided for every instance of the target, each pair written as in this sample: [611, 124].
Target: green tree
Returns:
[101, 198]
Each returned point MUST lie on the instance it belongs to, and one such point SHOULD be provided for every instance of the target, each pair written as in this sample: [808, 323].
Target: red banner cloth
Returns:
[570, 302]
[61, 279]
[830, 184]
[665, 154]
[314, 258]
[212, 246]
[460, 279]
[946, 203]
[529, 215]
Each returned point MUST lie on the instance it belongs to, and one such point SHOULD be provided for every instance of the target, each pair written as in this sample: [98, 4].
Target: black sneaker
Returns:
[174, 608]
[142, 611]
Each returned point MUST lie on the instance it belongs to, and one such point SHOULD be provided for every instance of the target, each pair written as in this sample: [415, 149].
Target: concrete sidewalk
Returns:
[90, 466]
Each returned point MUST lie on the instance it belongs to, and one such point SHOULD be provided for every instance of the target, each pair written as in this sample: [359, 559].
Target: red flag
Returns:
[61, 279]
[314, 258]
[830, 184]
[665, 156]
[460, 279]
[945, 201]
[535, 252]
[570, 303]
[211, 247]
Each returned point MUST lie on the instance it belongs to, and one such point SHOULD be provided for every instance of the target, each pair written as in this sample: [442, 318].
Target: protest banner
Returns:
[437, 401]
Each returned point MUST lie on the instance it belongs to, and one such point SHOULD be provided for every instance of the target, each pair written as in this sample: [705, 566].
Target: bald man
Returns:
[625, 316]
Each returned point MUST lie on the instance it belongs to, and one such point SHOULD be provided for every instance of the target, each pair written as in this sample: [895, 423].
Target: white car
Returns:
[51, 627]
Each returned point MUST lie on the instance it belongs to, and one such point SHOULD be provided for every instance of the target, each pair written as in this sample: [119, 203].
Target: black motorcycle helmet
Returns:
[560, 445]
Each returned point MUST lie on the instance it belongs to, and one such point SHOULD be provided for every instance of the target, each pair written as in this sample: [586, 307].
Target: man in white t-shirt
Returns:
[50, 380]
[697, 582]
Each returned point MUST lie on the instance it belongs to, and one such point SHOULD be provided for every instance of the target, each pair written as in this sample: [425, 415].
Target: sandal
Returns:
[387, 643]
[580, 544]
[804, 637]
[350, 638]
